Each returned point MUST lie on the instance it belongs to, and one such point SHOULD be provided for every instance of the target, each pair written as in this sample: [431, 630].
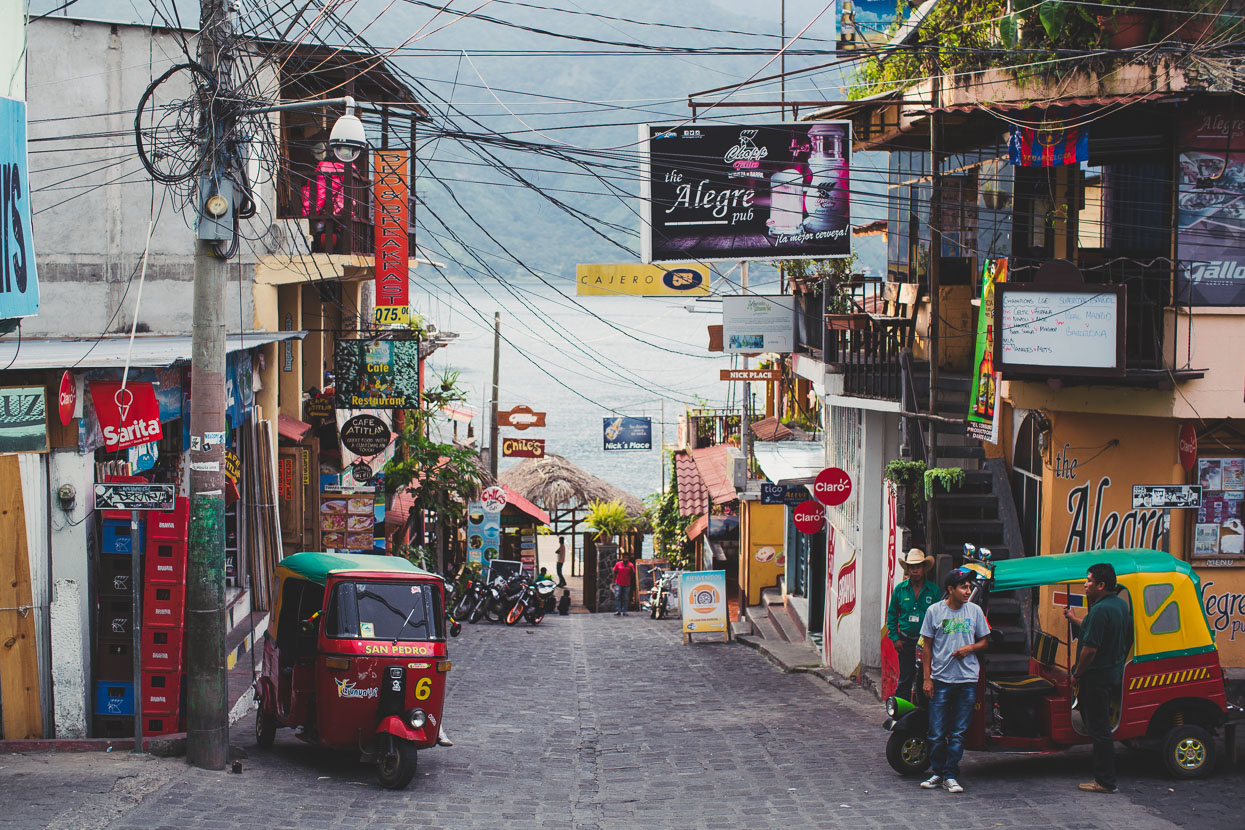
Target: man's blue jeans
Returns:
[950, 711]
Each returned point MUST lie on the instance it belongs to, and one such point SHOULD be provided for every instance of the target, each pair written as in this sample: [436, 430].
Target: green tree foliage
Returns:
[669, 526]
[438, 476]
[608, 519]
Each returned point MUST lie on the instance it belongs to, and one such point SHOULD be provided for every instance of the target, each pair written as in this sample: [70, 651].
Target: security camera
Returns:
[348, 139]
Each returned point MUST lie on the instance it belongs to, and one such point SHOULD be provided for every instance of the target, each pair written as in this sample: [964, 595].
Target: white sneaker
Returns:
[951, 785]
[932, 783]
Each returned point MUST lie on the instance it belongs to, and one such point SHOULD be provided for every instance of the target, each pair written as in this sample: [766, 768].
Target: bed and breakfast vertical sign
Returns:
[392, 199]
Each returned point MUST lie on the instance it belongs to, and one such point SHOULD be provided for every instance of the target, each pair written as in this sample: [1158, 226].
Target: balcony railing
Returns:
[866, 350]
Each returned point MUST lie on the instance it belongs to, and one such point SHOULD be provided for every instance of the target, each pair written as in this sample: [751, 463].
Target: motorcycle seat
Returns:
[1027, 685]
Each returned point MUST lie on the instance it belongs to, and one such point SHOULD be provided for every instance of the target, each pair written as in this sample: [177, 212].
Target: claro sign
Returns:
[809, 517]
[832, 486]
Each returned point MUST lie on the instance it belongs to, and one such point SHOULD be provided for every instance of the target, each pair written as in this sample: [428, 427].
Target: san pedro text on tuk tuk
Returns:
[355, 658]
[1172, 695]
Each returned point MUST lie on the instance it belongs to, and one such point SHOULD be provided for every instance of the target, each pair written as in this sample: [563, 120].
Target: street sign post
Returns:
[762, 375]
[115, 496]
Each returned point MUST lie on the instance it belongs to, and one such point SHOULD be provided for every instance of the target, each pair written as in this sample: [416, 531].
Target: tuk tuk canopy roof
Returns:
[316, 567]
[1034, 571]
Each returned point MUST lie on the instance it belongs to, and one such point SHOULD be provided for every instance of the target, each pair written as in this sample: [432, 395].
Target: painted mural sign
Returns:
[1094, 519]
[23, 419]
[827, 629]
[1225, 610]
[845, 584]
[19, 282]
[890, 657]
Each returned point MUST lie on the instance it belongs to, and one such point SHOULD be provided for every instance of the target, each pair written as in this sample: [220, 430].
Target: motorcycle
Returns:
[467, 599]
[531, 602]
[658, 605]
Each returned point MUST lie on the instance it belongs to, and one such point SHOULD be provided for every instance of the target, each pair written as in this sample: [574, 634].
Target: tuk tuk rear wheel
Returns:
[265, 728]
[1189, 751]
[907, 753]
[396, 767]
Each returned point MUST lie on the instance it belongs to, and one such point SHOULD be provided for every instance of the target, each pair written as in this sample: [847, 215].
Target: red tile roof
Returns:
[513, 499]
[711, 461]
[693, 495]
[292, 428]
[771, 429]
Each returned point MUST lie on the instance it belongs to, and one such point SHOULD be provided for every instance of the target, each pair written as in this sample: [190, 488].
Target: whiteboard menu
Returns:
[1077, 329]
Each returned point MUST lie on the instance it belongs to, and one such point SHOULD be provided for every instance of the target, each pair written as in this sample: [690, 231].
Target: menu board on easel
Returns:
[347, 518]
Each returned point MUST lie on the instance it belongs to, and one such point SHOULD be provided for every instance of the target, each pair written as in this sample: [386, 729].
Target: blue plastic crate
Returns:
[112, 698]
[115, 537]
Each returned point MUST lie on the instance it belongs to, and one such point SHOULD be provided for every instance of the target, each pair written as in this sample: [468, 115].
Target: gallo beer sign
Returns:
[129, 416]
[832, 486]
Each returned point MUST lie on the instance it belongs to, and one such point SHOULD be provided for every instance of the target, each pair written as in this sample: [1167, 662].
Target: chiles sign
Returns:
[128, 417]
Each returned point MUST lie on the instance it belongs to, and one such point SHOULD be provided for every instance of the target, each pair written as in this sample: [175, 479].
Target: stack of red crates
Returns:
[164, 618]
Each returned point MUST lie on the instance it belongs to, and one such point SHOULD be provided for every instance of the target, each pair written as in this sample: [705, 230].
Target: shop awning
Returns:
[513, 499]
[711, 461]
[399, 511]
[292, 428]
[109, 352]
[790, 462]
[697, 527]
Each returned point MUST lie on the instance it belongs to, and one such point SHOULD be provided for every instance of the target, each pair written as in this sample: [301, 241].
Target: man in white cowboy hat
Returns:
[908, 604]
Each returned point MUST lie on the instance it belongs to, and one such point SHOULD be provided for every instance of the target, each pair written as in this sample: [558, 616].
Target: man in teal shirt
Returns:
[1106, 636]
[908, 604]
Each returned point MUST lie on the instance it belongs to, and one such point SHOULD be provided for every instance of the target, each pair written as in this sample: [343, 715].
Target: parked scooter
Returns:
[658, 605]
[531, 602]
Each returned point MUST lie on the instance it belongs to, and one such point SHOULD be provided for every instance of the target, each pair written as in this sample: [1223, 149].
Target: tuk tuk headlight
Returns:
[892, 708]
[417, 718]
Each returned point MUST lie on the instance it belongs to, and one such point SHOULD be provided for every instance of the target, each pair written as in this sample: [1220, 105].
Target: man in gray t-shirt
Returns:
[952, 633]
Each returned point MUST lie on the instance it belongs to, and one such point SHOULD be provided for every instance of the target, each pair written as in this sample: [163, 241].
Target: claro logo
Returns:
[682, 279]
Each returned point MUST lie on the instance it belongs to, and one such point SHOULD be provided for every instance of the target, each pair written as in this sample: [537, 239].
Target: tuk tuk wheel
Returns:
[1189, 751]
[907, 753]
[396, 767]
[265, 728]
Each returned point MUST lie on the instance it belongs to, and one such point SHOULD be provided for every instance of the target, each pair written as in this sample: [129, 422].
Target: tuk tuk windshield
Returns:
[384, 611]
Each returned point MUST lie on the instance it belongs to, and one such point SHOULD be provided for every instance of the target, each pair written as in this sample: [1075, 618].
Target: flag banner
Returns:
[1031, 147]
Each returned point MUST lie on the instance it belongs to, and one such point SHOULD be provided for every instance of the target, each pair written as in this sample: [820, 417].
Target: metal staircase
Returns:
[980, 511]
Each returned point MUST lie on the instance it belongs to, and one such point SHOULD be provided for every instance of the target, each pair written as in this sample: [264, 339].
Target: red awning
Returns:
[513, 499]
[292, 428]
[697, 527]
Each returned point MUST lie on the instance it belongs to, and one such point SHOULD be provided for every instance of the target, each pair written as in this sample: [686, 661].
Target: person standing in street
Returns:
[952, 633]
[1104, 639]
[909, 602]
[561, 561]
[624, 573]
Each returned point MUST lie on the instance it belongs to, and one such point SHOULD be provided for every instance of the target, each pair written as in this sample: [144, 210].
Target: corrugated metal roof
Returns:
[790, 462]
[1158, 97]
[108, 352]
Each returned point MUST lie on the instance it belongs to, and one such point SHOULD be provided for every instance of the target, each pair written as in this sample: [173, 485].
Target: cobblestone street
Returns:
[601, 722]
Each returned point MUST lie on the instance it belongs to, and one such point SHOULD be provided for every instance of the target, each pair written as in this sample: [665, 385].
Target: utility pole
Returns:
[661, 448]
[935, 254]
[207, 733]
[494, 451]
[745, 442]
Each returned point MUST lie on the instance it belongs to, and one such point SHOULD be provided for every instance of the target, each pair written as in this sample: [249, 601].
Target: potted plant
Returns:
[609, 519]
[1125, 27]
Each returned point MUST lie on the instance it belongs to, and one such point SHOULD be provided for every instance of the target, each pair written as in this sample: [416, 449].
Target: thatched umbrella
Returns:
[554, 482]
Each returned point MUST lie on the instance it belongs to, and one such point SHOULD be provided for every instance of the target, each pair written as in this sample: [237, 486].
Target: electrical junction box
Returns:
[215, 228]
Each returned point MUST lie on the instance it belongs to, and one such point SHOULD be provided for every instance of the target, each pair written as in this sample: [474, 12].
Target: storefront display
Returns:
[347, 518]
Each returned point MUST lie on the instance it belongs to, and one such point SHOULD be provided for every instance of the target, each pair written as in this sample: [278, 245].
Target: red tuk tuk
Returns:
[355, 658]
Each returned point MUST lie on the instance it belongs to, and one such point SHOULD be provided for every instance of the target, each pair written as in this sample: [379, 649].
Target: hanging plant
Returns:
[948, 477]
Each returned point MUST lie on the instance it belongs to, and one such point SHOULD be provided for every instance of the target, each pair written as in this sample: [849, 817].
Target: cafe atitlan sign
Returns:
[520, 417]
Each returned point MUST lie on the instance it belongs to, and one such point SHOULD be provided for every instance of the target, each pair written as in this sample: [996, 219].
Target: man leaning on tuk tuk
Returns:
[1104, 638]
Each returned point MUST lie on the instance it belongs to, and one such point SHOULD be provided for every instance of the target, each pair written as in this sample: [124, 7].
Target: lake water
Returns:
[608, 372]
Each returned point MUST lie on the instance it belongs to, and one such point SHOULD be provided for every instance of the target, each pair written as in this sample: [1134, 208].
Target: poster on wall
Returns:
[1210, 204]
[347, 518]
[377, 374]
[983, 416]
[1219, 532]
[483, 534]
[728, 192]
